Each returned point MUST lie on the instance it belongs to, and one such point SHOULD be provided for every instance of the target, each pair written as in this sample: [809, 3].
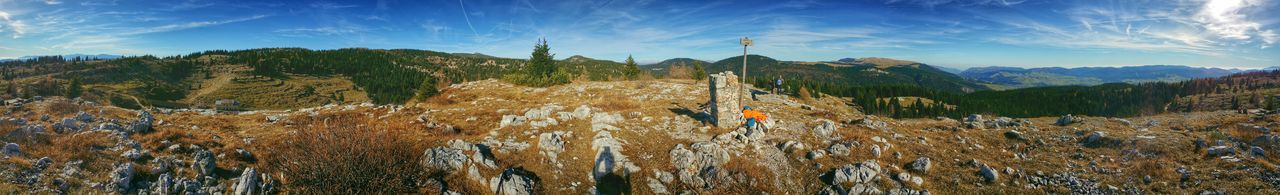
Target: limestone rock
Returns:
[691, 165]
[121, 178]
[825, 130]
[875, 151]
[604, 121]
[988, 174]
[205, 163]
[1015, 135]
[84, 117]
[248, 183]
[1221, 151]
[514, 182]
[1094, 139]
[164, 185]
[1066, 120]
[443, 159]
[921, 164]
[838, 150]
[552, 143]
[12, 149]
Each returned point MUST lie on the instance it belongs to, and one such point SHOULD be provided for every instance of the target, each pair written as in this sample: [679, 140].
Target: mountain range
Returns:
[1086, 76]
[850, 71]
[71, 56]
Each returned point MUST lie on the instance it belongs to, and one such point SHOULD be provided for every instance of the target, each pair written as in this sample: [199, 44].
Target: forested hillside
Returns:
[1087, 76]
[865, 72]
[1243, 90]
[386, 76]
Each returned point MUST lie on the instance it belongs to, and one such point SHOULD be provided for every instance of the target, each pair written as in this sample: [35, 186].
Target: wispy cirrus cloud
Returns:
[331, 5]
[936, 3]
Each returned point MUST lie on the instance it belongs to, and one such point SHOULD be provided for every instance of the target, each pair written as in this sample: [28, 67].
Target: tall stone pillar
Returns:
[726, 111]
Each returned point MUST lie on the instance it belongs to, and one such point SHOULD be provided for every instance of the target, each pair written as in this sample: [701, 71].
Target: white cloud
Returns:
[330, 5]
[935, 3]
[52, 2]
[19, 27]
[189, 25]
[1227, 19]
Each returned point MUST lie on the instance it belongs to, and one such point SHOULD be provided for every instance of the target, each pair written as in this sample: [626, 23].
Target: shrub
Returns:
[335, 155]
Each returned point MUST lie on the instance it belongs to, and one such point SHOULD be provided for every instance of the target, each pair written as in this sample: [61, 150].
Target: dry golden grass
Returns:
[60, 107]
[616, 105]
[343, 154]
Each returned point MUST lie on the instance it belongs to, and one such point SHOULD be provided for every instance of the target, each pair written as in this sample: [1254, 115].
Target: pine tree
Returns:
[74, 89]
[699, 73]
[633, 69]
[542, 62]
[427, 88]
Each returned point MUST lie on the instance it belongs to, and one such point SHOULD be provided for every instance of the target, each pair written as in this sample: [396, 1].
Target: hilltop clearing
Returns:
[641, 137]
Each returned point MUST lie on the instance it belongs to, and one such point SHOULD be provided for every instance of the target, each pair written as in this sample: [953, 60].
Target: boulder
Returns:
[838, 150]
[1257, 151]
[1096, 138]
[1221, 151]
[988, 174]
[84, 117]
[973, 118]
[815, 155]
[27, 132]
[132, 154]
[511, 120]
[692, 165]
[164, 185]
[163, 164]
[12, 149]
[552, 143]
[791, 146]
[825, 130]
[443, 159]
[248, 183]
[974, 121]
[1014, 134]
[513, 181]
[1066, 120]
[858, 178]
[121, 178]
[204, 164]
[921, 164]
[875, 151]
[143, 124]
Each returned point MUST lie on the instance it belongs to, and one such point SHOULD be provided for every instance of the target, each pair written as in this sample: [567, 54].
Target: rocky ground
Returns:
[641, 137]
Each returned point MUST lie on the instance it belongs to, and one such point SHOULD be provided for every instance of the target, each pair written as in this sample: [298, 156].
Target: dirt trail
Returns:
[209, 86]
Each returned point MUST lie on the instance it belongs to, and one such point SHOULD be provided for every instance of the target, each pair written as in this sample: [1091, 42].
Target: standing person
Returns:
[777, 85]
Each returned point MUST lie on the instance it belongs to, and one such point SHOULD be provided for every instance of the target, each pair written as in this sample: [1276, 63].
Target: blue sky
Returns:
[955, 33]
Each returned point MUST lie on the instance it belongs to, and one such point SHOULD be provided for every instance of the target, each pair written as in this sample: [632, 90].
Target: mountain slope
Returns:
[859, 72]
[275, 78]
[661, 68]
[1054, 76]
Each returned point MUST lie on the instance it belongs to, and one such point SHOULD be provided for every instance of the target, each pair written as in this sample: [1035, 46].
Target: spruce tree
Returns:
[542, 62]
[698, 72]
[633, 69]
[74, 89]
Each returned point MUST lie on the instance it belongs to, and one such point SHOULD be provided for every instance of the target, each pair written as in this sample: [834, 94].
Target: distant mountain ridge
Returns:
[848, 71]
[1085, 76]
[69, 56]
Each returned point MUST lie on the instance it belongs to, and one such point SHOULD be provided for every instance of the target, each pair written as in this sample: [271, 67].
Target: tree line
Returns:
[1114, 99]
